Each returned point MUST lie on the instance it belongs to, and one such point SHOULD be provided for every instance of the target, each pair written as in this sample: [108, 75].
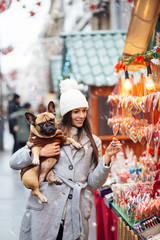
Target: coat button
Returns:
[70, 196]
[70, 167]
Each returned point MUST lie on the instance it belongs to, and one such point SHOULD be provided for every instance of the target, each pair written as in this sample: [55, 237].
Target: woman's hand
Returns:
[50, 150]
[114, 147]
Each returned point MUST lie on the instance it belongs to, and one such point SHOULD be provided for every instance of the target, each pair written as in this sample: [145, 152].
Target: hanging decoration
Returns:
[120, 66]
[32, 8]
[38, 4]
[32, 13]
[92, 5]
[4, 5]
[6, 50]
[13, 75]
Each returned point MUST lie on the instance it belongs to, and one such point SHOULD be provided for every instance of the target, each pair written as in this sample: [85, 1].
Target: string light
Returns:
[127, 84]
[149, 85]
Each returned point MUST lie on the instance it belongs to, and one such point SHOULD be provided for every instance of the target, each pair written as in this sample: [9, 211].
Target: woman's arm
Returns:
[23, 157]
[98, 176]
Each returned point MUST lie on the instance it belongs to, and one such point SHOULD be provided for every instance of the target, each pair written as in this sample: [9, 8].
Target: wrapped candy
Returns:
[155, 100]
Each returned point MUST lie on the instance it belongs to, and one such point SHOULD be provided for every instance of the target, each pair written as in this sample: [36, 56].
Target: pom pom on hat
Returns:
[68, 84]
[71, 98]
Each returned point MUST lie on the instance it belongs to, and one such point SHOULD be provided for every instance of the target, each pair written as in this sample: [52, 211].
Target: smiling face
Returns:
[78, 116]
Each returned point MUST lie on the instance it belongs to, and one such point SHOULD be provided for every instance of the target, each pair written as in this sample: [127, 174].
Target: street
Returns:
[14, 195]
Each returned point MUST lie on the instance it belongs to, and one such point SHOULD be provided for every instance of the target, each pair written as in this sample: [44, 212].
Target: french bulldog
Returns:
[43, 130]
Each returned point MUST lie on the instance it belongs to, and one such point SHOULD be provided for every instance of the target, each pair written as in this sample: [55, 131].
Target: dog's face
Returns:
[44, 124]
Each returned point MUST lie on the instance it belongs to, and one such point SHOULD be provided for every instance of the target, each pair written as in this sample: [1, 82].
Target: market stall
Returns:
[132, 210]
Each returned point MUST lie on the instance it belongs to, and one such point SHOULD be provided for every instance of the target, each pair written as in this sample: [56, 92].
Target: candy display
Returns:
[135, 108]
[137, 200]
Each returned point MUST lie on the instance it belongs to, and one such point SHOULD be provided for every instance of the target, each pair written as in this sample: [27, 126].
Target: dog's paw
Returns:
[57, 181]
[35, 161]
[37, 193]
[77, 145]
[43, 198]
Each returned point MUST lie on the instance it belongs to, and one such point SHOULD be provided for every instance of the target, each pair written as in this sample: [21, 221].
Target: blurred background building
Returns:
[43, 42]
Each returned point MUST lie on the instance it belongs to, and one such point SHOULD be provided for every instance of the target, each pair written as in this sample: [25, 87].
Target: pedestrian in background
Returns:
[67, 212]
[22, 127]
[13, 106]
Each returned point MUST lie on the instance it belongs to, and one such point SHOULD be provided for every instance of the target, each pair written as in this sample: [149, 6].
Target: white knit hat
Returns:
[71, 98]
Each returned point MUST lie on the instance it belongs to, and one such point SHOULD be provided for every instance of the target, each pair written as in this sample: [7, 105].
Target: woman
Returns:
[69, 205]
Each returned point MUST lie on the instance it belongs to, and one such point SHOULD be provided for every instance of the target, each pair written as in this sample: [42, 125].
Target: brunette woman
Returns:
[67, 212]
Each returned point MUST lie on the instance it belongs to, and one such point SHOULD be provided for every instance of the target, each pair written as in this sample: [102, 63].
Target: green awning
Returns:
[93, 55]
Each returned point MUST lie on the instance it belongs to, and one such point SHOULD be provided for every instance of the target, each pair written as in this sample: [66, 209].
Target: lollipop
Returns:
[148, 134]
[143, 103]
[156, 138]
[141, 136]
[155, 101]
[115, 128]
[122, 129]
[133, 134]
[150, 99]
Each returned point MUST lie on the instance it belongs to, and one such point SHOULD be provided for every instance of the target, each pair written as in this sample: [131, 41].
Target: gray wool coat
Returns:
[41, 221]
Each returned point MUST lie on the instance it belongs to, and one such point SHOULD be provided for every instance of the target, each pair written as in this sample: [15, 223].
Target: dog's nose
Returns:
[47, 124]
[51, 127]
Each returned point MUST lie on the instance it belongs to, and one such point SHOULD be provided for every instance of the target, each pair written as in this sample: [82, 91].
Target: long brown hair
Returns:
[66, 124]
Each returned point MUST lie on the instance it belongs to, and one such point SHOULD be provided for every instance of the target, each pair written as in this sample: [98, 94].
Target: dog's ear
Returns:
[51, 107]
[31, 118]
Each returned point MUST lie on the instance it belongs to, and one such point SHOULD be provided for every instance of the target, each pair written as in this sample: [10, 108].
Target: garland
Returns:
[139, 58]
